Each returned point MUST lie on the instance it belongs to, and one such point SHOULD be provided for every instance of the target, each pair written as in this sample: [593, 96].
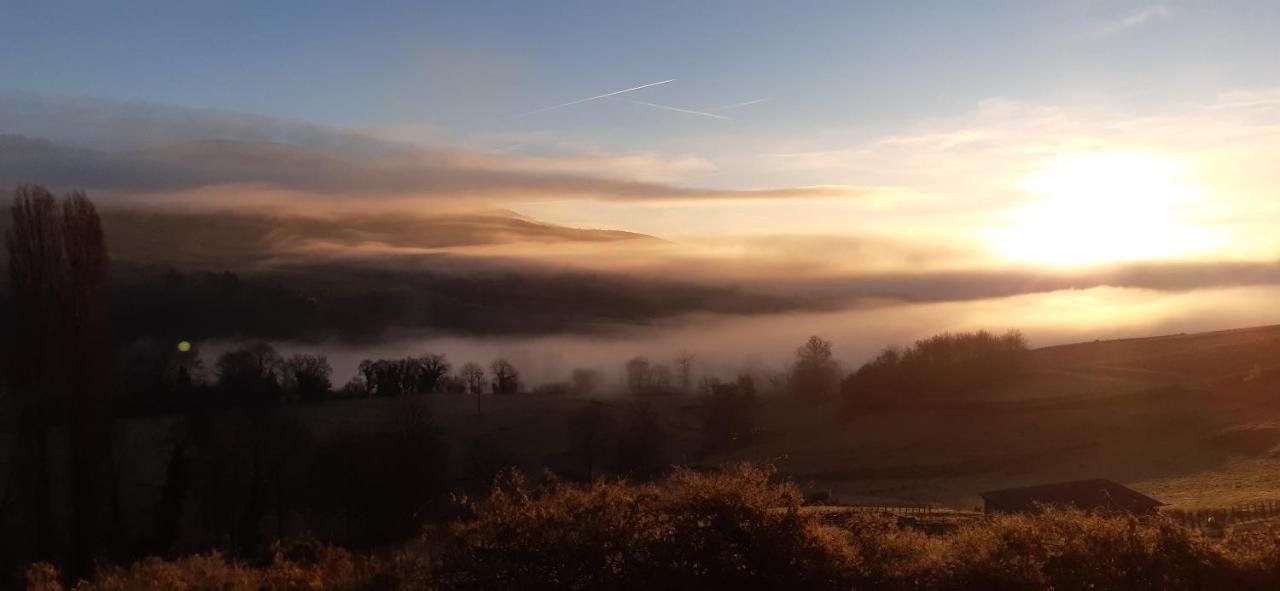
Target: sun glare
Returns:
[1103, 208]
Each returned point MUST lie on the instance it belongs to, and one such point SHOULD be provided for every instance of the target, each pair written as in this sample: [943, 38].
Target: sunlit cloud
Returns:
[332, 164]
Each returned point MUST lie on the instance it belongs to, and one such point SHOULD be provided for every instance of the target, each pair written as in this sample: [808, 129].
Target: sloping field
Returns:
[1186, 418]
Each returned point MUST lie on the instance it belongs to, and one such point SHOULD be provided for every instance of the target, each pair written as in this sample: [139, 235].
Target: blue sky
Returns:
[468, 67]
[942, 109]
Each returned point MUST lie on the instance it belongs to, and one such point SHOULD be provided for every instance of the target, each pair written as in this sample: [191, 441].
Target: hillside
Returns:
[1190, 419]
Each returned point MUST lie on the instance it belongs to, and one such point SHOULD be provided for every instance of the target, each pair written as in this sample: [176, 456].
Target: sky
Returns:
[1052, 134]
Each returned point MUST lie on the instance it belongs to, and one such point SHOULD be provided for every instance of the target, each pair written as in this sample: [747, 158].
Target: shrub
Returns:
[731, 530]
[736, 529]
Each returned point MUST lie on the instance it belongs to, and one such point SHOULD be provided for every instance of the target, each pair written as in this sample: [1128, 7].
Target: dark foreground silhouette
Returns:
[736, 529]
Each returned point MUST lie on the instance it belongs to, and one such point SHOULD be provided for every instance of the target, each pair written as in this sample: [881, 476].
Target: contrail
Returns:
[597, 97]
[679, 110]
[744, 104]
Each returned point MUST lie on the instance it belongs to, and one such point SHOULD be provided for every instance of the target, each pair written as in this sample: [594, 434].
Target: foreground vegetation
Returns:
[736, 529]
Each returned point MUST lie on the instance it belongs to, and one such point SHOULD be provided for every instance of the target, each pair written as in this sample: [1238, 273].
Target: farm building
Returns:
[1089, 495]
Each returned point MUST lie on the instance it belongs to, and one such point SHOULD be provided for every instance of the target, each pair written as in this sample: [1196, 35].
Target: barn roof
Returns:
[1080, 493]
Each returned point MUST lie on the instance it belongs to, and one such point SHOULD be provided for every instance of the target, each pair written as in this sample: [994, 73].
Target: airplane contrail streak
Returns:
[744, 104]
[597, 97]
[679, 110]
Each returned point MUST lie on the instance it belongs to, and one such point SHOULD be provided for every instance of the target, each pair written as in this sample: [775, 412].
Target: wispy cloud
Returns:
[1142, 16]
[679, 110]
[221, 155]
[597, 97]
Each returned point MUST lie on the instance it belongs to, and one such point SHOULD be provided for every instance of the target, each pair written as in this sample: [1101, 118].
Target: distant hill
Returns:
[1217, 355]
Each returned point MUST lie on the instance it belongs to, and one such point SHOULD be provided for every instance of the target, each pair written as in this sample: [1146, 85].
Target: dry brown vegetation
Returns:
[734, 529]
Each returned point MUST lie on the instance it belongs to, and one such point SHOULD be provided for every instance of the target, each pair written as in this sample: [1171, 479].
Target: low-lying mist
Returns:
[726, 345]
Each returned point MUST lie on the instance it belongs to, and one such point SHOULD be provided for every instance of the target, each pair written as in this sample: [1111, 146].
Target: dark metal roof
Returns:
[1097, 492]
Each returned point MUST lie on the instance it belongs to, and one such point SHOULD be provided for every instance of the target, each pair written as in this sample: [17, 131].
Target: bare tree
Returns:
[506, 380]
[684, 369]
[432, 368]
[307, 376]
[473, 376]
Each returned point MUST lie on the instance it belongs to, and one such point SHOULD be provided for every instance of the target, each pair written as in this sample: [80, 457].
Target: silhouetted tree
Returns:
[660, 379]
[644, 378]
[473, 376]
[638, 376]
[590, 430]
[506, 380]
[641, 442]
[307, 376]
[429, 370]
[37, 272]
[684, 370]
[250, 373]
[386, 377]
[356, 387]
[89, 374]
[58, 268]
[727, 412]
[158, 377]
[584, 381]
[941, 366]
[815, 375]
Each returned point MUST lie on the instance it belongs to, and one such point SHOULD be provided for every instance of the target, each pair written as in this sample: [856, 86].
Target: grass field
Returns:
[1191, 420]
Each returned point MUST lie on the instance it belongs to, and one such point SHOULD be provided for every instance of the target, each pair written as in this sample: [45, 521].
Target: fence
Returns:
[839, 515]
[1217, 518]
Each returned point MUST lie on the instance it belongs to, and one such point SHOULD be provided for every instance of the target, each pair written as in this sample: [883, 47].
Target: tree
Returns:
[155, 376]
[251, 373]
[641, 444]
[58, 268]
[506, 380]
[429, 370]
[473, 376]
[941, 366]
[386, 377]
[815, 375]
[584, 381]
[36, 270]
[307, 376]
[589, 431]
[660, 379]
[684, 370]
[638, 375]
[728, 411]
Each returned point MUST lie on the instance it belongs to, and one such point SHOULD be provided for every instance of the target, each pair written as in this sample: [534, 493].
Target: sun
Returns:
[1103, 208]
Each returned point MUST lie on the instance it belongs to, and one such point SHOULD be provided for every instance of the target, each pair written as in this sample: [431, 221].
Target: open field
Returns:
[1191, 420]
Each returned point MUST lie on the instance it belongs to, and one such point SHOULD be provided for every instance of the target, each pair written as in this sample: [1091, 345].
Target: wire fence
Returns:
[1217, 518]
